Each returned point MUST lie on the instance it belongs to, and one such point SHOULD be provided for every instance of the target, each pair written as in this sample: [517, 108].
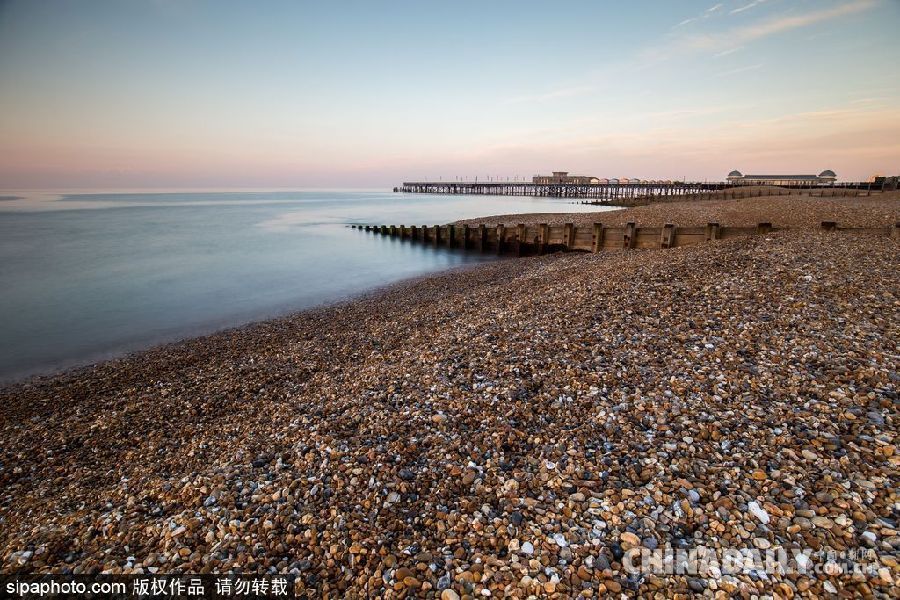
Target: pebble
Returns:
[757, 511]
[579, 377]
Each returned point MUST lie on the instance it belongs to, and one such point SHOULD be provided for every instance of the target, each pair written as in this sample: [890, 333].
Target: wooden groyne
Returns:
[524, 240]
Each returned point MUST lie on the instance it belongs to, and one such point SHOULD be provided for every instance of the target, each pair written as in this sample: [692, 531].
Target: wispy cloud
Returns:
[704, 15]
[739, 70]
[755, 31]
[726, 52]
[741, 9]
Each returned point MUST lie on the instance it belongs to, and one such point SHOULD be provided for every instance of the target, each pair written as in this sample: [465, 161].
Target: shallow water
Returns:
[90, 276]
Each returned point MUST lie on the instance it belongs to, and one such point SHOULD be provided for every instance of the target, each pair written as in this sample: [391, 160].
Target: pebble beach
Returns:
[514, 429]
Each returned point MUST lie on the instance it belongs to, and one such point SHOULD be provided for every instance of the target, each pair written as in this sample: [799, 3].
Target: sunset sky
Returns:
[181, 93]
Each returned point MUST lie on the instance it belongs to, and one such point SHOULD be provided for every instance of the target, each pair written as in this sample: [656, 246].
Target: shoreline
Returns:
[473, 428]
[203, 334]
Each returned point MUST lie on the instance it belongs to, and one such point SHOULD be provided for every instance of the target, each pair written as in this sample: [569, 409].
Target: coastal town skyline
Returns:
[196, 94]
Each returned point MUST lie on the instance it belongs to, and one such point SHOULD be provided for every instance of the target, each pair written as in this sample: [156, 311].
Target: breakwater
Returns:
[522, 239]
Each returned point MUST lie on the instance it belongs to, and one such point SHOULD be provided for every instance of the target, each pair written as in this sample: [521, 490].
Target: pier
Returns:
[607, 191]
[523, 240]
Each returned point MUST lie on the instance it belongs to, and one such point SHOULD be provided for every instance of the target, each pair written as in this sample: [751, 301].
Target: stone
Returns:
[757, 511]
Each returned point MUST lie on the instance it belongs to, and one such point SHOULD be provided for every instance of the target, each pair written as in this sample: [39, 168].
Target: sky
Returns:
[370, 93]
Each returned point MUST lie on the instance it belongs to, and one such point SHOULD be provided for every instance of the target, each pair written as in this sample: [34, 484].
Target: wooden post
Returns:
[424, 233]
[368, 228]
[895, 231]
[570, 236]
[520, 238]
[598, 237]
[465, 237]
[393, 231]
[403, 232]
[667, 237]
[501, 233]
[829, 225]
[437, 235]
[451, 236]
[712, 231]
[482, 238]
[544, 238]
[763, 228]
[628, 241]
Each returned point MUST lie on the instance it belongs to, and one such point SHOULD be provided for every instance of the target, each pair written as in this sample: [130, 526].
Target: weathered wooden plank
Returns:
[687, 239]
[732, 232]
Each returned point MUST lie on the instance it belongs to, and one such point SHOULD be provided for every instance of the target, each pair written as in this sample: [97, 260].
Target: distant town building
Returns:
[824, 178]
[564, 177]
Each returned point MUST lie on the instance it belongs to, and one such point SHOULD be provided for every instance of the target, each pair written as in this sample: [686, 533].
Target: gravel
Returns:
[517, 425]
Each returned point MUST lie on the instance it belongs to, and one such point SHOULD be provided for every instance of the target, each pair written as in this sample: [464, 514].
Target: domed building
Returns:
[826, 177]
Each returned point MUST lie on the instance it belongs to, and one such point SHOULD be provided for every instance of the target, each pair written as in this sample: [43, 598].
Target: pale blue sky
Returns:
[297, 94]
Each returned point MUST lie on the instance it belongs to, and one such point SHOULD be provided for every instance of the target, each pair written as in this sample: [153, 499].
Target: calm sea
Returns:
[85, 277]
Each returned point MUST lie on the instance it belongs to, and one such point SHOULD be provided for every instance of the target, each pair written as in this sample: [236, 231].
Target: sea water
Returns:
[84, 277]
